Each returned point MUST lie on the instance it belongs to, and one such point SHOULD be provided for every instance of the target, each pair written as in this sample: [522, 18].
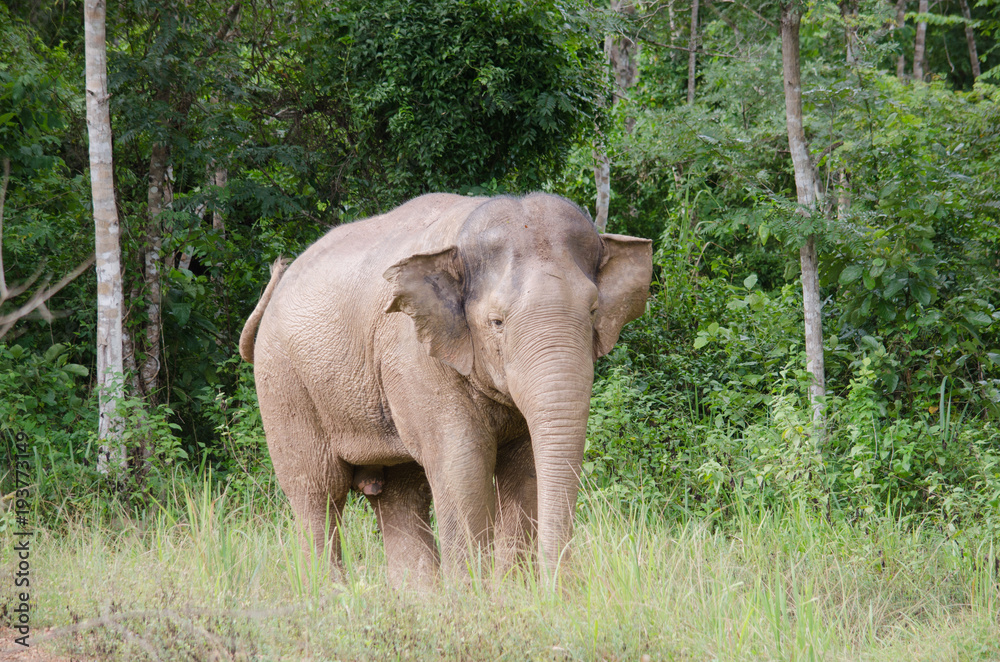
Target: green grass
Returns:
[212, 578]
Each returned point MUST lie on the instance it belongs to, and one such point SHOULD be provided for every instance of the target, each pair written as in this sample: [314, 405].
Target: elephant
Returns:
[443, 351]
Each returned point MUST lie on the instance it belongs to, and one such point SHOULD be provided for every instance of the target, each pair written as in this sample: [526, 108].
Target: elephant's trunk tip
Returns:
[249, 333]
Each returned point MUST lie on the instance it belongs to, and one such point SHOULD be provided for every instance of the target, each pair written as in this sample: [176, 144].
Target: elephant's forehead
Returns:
[537, 228]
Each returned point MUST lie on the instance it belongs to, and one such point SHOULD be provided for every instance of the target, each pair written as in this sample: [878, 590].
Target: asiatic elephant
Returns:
[443, 350]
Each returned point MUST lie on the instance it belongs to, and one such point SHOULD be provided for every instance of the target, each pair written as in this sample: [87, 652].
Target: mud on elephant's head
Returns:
[523, 303]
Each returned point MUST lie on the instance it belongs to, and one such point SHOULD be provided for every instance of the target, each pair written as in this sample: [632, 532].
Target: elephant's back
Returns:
[352, 257]
[321, 322]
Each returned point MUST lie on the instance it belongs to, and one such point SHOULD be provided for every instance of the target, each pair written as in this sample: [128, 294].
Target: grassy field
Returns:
[210, 579]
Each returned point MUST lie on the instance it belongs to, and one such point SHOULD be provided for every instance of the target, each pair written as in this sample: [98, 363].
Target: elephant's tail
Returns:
[249, 333]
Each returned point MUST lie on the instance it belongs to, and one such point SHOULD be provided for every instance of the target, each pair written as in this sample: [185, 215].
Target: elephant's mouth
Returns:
[487, 388]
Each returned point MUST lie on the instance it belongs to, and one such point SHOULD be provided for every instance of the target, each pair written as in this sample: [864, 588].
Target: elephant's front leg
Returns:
[461, 478]
[448, 433]
[517, 506]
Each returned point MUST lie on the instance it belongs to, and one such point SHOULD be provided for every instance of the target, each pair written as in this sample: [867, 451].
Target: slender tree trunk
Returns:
[920, 44]
[970, 39]
[672, 25]
[622, 53]
[849, 12]
[106, 231]
[843, 195]
[623, 56]
[158, 199]
[807, 190]
[221, 180]
[221, 293]
[692, 51]
[602, 178]
[900, 24]
[3, 198]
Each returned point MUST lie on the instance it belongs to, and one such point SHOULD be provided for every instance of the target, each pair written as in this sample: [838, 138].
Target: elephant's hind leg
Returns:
[403, 511]
[313, 478]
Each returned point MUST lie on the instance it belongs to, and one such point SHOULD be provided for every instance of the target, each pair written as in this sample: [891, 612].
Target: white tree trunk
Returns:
[970, 39]
[692, 51]
[106, 230]
[920, 44]
[807, 191]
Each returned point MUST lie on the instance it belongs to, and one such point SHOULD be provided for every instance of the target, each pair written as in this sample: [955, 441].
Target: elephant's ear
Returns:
[428, 288]
[623, 282]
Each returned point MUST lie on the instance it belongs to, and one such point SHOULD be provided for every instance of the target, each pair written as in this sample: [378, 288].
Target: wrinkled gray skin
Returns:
[445, 349]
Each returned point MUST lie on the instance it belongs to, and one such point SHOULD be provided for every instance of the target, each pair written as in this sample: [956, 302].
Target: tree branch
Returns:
[42, 295]
[3, 199]
[685, 49]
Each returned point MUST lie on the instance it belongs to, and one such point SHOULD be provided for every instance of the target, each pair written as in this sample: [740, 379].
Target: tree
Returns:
[623, 57]
[807, 191]
[447, 96]
[920, 44]
[900, 24]
[692, 51]
[106, 232]
[970, 39]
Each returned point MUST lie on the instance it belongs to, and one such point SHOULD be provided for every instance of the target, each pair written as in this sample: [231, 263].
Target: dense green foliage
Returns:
[321, 115]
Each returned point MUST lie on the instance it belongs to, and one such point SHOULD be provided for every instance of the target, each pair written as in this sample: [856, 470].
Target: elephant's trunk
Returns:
[550, 381]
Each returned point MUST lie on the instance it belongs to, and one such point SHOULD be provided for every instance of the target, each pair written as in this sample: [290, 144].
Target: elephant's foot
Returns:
[368, 479]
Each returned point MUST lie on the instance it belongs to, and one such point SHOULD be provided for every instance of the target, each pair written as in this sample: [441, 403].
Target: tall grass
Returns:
[210, 576]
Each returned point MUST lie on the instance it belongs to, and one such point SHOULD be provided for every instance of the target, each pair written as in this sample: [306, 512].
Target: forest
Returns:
[793, 454]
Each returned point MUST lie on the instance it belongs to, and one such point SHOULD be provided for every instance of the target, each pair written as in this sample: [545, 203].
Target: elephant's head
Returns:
[524, 303]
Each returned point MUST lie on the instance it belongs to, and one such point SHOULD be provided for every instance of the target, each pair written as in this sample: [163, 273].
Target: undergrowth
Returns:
[213, 576]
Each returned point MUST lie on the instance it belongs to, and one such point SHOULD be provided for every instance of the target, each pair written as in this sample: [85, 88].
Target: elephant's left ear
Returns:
[428, 288]
[623, 282]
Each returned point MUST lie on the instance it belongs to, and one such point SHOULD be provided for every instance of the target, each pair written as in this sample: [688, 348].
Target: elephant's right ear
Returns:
[428, 288]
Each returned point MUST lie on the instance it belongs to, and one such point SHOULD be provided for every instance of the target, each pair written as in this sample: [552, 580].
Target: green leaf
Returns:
[764, 232]
[750, 281]
[977, 317]
[888, 189]
[76, 369]
[894, 287]
[850, 274]
[53, 352]
[181, 313]
[921, 292]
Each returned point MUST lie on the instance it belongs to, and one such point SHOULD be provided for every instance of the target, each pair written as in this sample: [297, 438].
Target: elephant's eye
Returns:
[496, 322]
